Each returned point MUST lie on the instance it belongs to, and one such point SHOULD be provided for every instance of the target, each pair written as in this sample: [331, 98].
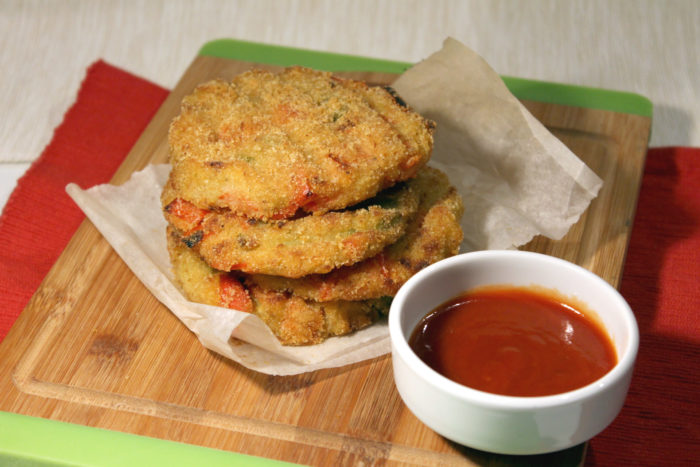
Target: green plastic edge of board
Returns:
[33, 441]
[525, 89]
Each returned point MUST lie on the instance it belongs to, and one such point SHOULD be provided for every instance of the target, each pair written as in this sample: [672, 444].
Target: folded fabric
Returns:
[112, 109]
[660, 423]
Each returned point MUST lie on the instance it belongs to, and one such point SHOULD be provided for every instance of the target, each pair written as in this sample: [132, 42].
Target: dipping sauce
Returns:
[513, 341]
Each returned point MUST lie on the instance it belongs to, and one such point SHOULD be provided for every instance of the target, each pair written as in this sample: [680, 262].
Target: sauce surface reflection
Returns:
[514, 341]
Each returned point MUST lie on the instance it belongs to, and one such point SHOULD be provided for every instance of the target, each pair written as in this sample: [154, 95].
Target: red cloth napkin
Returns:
[660, 423]
[112, 109]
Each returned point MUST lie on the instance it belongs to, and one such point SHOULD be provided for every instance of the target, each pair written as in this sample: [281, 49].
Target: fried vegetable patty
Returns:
[433, 234]
[293, 320]
[267, 145]
[310, 244]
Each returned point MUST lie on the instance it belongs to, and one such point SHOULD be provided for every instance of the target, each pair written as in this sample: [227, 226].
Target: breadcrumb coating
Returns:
[304, 199]
[310, 244]
[293, 320]
[268, 145]
[432, 235]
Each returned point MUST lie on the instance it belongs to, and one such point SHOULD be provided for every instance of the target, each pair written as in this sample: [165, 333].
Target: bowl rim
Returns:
[399, 341]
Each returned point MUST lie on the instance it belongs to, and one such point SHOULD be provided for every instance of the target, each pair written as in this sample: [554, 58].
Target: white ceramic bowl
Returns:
[505, 424]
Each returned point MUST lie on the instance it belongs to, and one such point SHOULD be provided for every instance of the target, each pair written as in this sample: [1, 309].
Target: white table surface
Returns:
[647, 47]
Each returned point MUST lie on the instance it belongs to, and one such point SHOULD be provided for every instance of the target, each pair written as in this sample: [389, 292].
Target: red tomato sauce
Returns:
[513, 341]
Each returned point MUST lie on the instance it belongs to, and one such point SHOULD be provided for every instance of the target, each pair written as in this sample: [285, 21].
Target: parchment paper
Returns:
[517, 181]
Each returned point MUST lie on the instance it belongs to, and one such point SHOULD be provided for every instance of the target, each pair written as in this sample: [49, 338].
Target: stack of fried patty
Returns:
[303, 198]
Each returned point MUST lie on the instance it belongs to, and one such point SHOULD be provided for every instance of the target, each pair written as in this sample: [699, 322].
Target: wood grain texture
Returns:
[94, 347]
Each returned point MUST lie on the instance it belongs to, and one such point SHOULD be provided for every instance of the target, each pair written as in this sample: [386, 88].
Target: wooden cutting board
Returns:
[94, 347]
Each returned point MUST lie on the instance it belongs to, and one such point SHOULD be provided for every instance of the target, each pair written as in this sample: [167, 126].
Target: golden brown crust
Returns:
[285, 200]
[434, 234]
[296, 321]
[310, 244]
[198, 282]
[266, 145]
[293, 320]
